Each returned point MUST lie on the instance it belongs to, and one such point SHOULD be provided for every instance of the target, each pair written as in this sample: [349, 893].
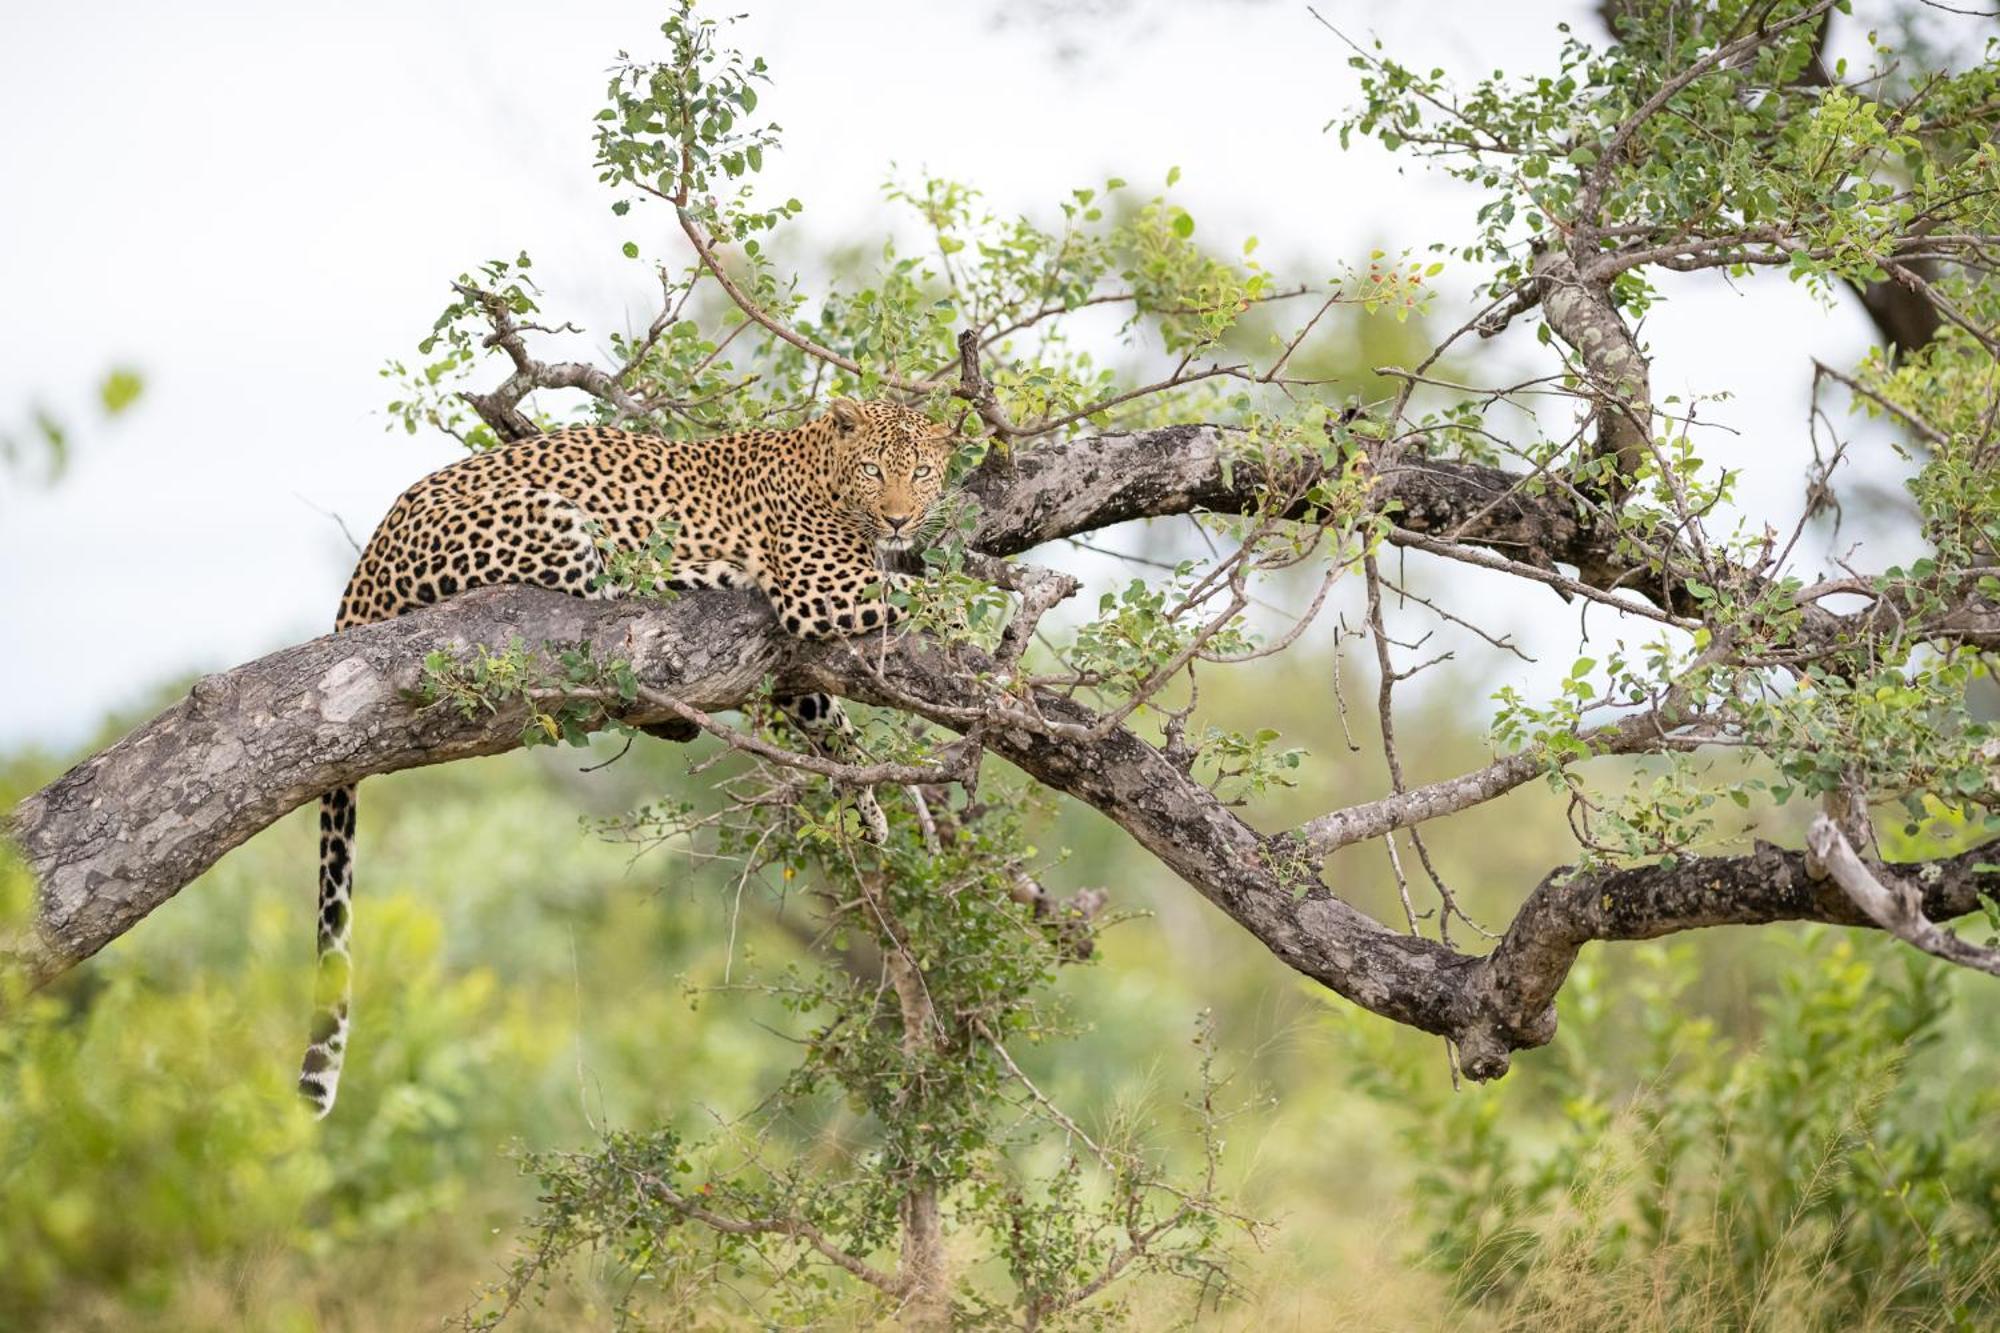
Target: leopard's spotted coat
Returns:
[799, 514]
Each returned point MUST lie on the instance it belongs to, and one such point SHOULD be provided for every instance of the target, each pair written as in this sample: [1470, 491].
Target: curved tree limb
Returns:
[119, 834]
[1579, 310]
[1893, 903]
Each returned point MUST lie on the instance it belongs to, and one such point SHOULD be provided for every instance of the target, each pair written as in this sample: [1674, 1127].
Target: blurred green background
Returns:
[1785, 1128]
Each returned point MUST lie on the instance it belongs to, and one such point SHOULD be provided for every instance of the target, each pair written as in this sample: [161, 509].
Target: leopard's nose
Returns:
[895, 521]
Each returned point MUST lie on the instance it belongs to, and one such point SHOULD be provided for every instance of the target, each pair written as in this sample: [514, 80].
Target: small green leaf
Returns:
[121, 388]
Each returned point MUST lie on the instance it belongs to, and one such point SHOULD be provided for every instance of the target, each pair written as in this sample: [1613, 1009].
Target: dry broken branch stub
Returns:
[501, 409]
[978, 394]
[1889, 900]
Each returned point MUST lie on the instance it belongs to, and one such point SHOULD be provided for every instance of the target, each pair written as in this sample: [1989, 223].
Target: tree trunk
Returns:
[927, 1307]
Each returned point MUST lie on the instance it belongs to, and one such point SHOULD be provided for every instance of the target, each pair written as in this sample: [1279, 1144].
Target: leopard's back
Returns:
[544, 511]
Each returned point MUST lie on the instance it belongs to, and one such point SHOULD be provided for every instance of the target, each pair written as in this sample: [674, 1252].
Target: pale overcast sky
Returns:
[256, 204]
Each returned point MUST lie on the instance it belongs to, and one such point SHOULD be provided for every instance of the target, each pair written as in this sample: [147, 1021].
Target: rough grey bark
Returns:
[126, 829]
[123, 831]
[1769, 885]
[1579, 311]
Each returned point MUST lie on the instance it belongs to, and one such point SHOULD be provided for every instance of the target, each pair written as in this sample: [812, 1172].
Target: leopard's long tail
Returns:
[319, 1076]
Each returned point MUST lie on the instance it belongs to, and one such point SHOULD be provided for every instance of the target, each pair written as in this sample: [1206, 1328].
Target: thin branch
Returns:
[1856, 387]
[1472, 555]
[795, 1227]
[705, 249]
[500, 409]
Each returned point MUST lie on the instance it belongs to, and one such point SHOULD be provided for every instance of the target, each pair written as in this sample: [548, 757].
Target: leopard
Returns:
[808, 516]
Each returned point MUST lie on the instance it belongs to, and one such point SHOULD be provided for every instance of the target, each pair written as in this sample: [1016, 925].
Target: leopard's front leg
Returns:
[829, 601]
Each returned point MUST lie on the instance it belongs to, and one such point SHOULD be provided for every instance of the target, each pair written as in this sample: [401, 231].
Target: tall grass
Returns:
[1842, 1173]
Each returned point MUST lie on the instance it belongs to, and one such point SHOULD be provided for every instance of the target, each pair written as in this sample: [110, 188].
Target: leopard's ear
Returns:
[847, 415]
[945, 430]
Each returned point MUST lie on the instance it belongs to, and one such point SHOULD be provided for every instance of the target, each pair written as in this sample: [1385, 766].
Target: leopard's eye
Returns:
[870, 470]
[922, 473]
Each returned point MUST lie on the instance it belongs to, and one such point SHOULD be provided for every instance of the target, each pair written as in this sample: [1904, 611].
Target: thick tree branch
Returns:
[126, 829]
[123, 831]
[1580, 312]
[1568, 911]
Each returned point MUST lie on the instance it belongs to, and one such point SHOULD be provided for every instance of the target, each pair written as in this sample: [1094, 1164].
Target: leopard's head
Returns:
[889, 465]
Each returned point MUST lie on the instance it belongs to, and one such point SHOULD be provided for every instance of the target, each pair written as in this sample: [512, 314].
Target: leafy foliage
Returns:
[42, 451]
[1712, 139]
[1841, 1176]
[568, 691]
[1817, 1174]
[943, 971]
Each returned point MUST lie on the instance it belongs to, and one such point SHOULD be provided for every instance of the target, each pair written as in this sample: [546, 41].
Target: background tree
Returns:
[1693, 144]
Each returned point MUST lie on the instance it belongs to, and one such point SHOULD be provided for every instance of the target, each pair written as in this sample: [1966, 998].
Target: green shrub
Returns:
[1844, 1173]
